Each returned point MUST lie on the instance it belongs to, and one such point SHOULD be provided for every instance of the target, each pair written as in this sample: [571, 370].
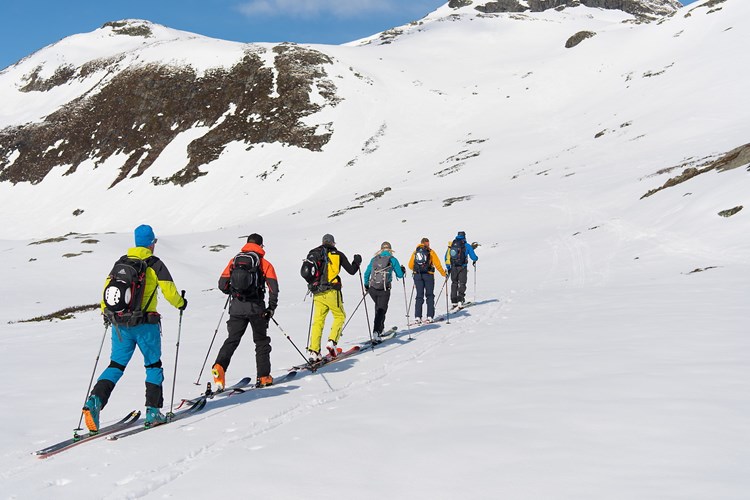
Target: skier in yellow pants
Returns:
[327, 294]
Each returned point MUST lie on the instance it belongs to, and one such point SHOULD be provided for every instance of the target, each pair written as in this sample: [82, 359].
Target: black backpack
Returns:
[422, 260]
[380, 272]
[314, 270]
[246, 281]
[123, 295]
[458, 252]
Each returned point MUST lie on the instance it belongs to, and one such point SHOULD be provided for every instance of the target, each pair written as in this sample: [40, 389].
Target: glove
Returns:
[184, 304]
[268, 313]
[357, 259]
[403, 270]
[474, 263]
[367, 288]
[448, 268]
[107, 322]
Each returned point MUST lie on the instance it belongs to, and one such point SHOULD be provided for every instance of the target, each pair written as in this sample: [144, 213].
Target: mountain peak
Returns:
[131, 27]
[647, 9]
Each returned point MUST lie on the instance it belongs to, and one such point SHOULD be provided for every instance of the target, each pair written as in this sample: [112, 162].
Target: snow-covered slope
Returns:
[597, 362]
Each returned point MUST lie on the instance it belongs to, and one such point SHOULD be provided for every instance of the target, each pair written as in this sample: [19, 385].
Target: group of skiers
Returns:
[129, 305]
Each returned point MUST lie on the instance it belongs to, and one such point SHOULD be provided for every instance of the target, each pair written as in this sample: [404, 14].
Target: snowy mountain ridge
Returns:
[110, 113]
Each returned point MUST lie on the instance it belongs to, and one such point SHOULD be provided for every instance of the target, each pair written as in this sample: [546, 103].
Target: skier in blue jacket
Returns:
[457, 261]
[378, 283]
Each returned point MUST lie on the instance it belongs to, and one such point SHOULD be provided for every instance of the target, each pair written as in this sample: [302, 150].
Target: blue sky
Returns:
[29, 25]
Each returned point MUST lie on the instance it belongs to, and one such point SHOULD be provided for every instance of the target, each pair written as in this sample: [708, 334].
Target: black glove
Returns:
[107, 322]
[367, 288]
[403, 270]
[184, 304]
[357, 259]
[474, 263]
[268, 313]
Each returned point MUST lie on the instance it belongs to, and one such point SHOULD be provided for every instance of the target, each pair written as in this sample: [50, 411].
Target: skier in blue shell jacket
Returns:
[457, 262]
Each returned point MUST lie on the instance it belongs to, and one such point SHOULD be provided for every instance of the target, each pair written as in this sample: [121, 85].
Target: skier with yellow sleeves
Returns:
[327, 296]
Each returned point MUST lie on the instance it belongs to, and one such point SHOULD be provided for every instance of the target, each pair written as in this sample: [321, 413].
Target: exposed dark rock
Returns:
[701, 269]
[49, 240]
[62, 314]
[640, 8]
[457, 4]
[578, 38]
[735, 158]
[450, 201]
[142, 109]
[501, 6]
[731, 211]
[130, 28]
[366, 198]
[61, 76]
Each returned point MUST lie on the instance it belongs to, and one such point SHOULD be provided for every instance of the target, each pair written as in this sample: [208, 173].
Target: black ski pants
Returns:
[425, 286]
[459, 276]
[236, 326]
[381, 299]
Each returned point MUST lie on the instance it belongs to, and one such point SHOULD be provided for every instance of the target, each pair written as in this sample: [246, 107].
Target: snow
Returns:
[595, 364]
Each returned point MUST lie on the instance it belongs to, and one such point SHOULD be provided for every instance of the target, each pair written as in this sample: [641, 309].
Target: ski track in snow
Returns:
[387, 360]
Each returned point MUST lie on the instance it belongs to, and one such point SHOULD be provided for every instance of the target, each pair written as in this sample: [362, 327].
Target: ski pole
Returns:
[309, 326]
[408, 328]
[200, 373]
[442, 289]
[176, 354]
[447, 309]
[475, 281]
[411, 296]
[367, 315]
[91, 381]
[355, 311]
[295, 345]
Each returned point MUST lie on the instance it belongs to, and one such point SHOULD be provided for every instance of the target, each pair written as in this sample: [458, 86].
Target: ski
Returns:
[129, 419]
[461, 306]
[209, 394]
[327, 359]
[279, 380]
[436, 319]
[386, 335]
[173, 418]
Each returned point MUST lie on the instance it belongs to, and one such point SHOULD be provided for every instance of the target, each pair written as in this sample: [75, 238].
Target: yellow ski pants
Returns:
[330, 300]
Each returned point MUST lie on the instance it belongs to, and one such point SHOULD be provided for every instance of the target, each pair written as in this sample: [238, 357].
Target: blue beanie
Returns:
[461, 235]
[144, 236]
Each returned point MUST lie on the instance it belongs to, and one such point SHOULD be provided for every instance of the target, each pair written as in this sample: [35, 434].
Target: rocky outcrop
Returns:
[578, 38]
[140, 110]
[457, 4]
[501, 6]
[738, 157]
[648, 9]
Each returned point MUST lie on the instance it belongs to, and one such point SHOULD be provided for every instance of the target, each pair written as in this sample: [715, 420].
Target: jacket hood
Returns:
[142, 253]
[254, 247]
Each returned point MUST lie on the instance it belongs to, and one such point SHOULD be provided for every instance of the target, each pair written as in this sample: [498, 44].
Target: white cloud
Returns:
[336, 8]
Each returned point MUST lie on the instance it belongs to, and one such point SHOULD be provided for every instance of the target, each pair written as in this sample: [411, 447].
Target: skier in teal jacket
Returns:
[378, 278]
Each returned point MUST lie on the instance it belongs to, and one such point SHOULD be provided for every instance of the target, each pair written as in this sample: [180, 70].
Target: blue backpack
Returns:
[458, 253]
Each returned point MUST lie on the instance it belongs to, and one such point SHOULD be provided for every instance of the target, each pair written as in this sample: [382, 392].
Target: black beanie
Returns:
[255, 238]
